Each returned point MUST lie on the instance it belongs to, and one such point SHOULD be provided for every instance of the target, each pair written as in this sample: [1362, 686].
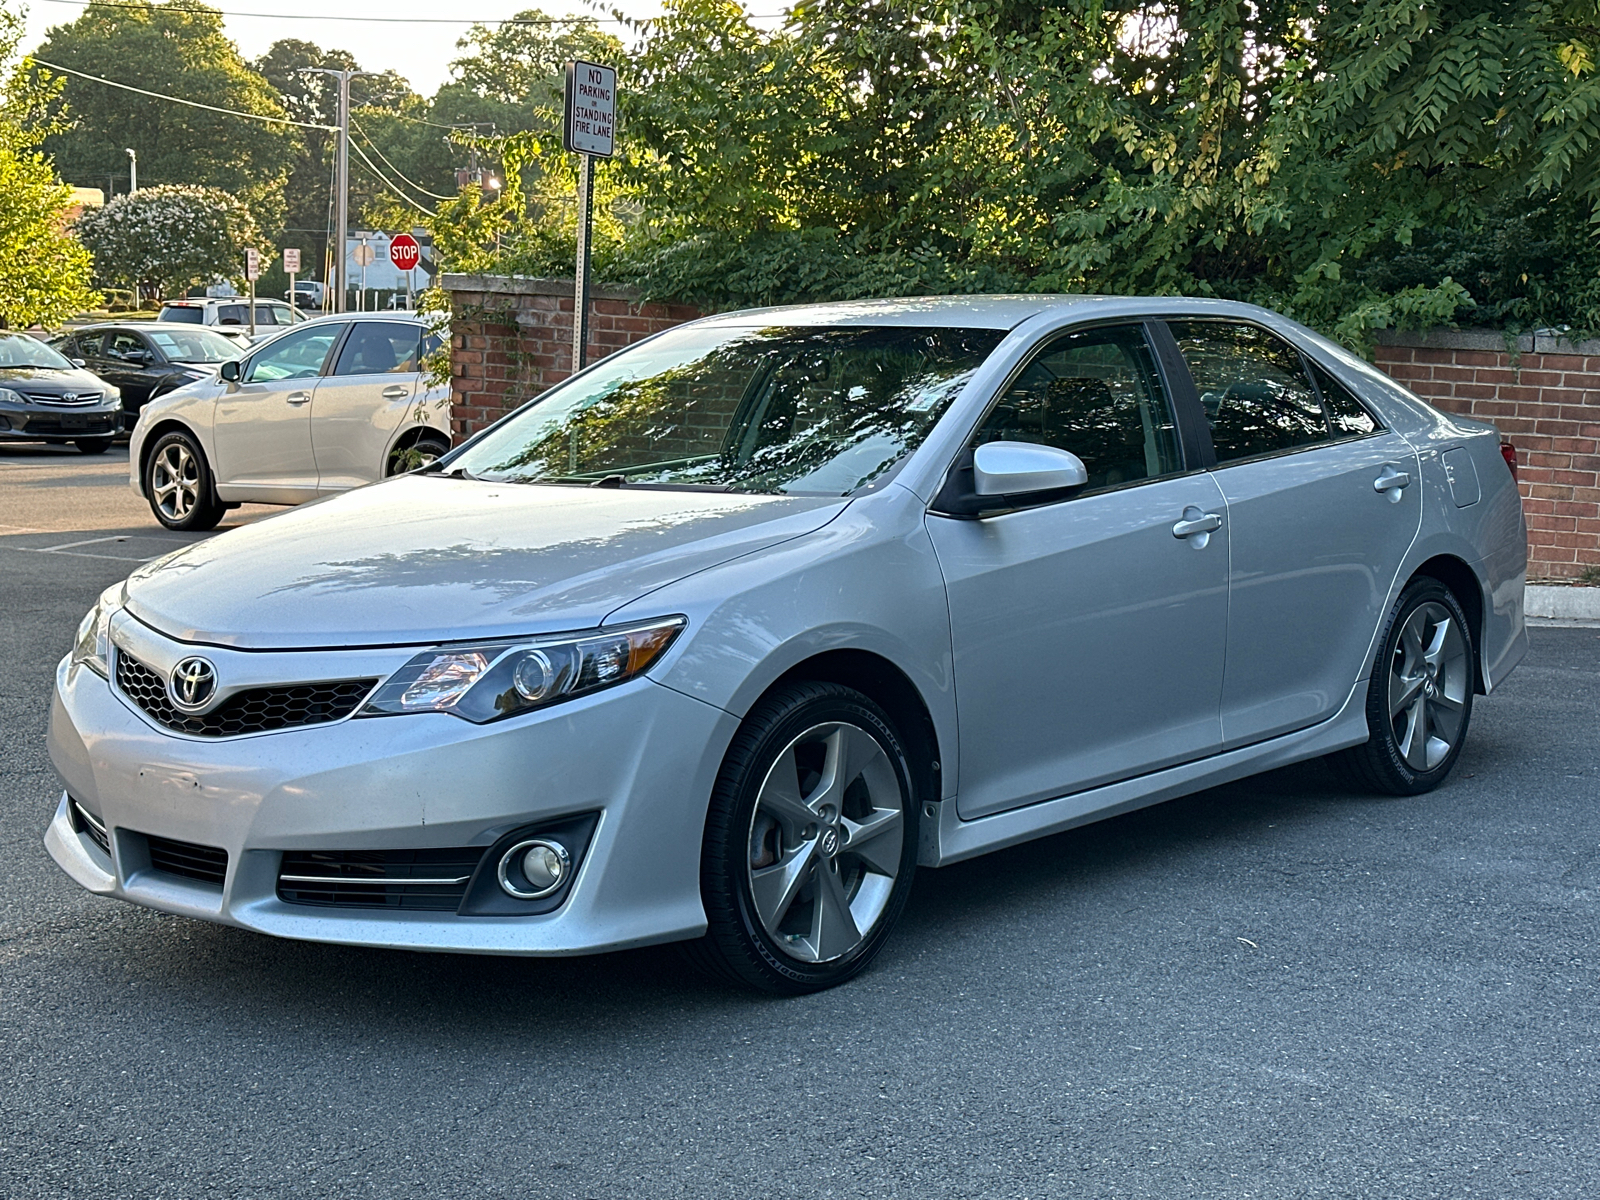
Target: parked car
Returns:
[723, 638]
[307, 296]
[230, 314]
[45, 397]
[147, 359]
[329, 405]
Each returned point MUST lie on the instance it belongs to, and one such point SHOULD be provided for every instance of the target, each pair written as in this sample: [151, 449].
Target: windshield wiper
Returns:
[435, 468]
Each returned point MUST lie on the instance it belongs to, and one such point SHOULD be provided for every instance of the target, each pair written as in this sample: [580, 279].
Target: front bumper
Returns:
[643, 756]
[37, 422]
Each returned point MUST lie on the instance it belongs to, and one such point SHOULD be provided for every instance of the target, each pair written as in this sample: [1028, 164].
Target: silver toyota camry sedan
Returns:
[722, 639]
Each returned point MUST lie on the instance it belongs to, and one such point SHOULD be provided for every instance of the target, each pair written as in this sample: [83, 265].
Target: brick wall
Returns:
[1546, 398]
[511, 338]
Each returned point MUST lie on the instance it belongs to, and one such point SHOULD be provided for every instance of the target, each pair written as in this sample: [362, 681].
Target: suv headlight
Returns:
[486, 682]
[92, 647]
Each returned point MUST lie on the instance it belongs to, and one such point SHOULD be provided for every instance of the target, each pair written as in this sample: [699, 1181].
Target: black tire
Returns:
[1396, 759]
[93, 445]
[419, 453]
[737, 947]
[194, 507]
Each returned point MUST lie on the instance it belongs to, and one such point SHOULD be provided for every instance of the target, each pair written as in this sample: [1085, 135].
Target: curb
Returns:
[1563, 603]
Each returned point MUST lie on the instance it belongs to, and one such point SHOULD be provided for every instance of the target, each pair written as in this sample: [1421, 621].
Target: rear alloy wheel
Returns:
[178, 482]
[810, 842]
[1419, 702]
[93, 445]
[419, 454]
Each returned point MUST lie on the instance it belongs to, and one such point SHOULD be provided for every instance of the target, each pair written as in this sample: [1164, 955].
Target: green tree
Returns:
[44, 271]
[169, 238]
[179, 49]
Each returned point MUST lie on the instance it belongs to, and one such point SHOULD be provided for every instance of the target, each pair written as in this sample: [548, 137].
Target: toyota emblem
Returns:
[68, 397]
[192, 684]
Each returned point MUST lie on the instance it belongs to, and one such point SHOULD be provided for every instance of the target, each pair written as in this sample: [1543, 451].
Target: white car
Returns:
[329, 405]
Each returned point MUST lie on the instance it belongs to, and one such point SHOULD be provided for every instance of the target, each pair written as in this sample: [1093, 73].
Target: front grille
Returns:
[429, 880]
[86, 822]
[73, 425]
[208, 864]
[79, 399]
[258, 710]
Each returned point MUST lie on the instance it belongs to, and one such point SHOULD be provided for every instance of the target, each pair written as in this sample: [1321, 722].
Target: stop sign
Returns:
[404, 252]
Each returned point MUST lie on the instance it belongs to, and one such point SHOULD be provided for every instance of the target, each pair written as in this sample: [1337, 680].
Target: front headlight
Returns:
[7, 396]
[501, 679]
[92, 647]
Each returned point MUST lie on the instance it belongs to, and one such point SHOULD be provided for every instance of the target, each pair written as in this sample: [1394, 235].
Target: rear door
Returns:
[361, 404]
[262, 429]
[1323, 504]
[132, 364]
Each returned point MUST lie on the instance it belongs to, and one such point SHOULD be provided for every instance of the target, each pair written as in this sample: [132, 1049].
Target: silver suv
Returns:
[231, 314]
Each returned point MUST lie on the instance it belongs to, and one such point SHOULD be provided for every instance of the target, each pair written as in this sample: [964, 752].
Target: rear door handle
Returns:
[299, 398]
[396, 392]
[1391, 480]
[1195, 521]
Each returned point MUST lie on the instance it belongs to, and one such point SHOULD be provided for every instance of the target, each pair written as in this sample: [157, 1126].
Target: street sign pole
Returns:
[589, 131]
[252, 272]
[291, 267]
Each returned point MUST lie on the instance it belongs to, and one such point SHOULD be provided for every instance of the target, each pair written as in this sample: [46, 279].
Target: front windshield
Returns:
[194, 345]
[24, 350]
[795, 410]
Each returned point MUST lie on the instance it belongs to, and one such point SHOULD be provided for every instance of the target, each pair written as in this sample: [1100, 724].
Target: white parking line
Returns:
[70, 549]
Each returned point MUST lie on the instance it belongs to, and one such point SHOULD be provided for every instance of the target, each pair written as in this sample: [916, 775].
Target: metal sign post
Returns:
[291, 268]
[589, 131]
[252, 272]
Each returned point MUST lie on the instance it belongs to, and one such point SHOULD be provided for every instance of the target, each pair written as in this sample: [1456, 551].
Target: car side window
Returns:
[1255, 392]
[232, 314]
[85, 345]
[298, 355]
[1097, 394]
[1347, 416]
[125, 346]
[380, 348]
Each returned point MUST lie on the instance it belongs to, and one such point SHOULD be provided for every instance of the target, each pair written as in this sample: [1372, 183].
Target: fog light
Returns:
[533, 869]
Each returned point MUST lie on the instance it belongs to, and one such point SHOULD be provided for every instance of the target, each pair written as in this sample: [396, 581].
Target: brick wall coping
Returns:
[531, 285]
[1492, 340]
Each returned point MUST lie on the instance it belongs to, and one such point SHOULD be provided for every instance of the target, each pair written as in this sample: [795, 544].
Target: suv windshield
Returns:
[25, 350]
[796, 410]
[194, 345]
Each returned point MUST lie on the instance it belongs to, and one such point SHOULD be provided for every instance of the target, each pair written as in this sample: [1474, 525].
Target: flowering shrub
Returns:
[167, 239]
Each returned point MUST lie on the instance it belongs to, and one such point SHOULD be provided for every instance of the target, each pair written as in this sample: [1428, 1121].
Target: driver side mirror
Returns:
[79, 362]
[998, 476]
[1024, 468]
[229, 370]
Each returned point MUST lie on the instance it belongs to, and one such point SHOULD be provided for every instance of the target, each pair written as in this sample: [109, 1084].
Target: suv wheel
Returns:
[177, 480]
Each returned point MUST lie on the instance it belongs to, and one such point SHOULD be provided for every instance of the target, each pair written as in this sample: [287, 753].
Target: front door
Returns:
[361, 404]
[1088, 633]
[262, 428]
[1324, 505]
[131, 364]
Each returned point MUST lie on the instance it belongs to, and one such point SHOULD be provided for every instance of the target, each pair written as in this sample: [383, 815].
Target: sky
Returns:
[419, 50]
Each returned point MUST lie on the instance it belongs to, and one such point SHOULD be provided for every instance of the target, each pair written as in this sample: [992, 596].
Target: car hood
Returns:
[424, 559]
[52, 379]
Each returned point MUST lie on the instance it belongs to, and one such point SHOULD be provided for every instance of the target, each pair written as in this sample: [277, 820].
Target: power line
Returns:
[229, 112]
[386, 183]
[393, 20]
[374, 147]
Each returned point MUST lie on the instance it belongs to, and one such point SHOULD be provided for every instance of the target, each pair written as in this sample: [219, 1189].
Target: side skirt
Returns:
[946, 838]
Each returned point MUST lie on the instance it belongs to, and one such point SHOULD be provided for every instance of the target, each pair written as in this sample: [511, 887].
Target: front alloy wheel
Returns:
[810, 842]
[1419, 701]
[178, 482]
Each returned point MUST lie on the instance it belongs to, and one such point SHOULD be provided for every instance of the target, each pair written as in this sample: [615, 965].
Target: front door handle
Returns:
[299, 398]
[396, 392]
[1391, 481]
[1196, 522]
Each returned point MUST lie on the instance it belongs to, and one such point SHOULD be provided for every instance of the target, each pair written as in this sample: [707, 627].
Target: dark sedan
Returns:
[45, 398]
[147, 359]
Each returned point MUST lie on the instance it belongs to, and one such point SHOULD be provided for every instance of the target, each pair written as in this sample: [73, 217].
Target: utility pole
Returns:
[133, 171]
[342, 180]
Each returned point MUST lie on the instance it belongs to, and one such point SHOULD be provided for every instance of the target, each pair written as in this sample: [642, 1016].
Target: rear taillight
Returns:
[1509, 453]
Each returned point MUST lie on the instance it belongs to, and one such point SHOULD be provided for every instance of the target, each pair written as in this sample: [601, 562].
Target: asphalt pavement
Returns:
[1273, 989]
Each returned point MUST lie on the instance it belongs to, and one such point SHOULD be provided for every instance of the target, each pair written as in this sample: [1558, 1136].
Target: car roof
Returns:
[149, 326]
[981, 312]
